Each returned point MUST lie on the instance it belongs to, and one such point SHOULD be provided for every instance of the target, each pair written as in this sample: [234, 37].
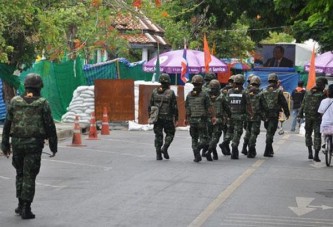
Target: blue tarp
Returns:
[3, 109]
[289, 79]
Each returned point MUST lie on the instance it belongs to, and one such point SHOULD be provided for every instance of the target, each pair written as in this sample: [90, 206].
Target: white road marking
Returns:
[79, 164]
[304, 207]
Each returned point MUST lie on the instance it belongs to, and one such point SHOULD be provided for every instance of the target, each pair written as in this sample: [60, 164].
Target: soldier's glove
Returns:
[53, 154]
[214, 120]
[6, 149]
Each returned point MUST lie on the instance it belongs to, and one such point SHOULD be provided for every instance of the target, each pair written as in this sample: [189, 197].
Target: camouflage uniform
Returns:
[198, 108]
[221, 109]
[166, 100]
[309, 108]
[274, 100]
[29, 122]
[253, 102]
[237, 108]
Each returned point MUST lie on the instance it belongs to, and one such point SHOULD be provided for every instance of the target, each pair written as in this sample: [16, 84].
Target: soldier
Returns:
[309, 108]
[221, 109]
[205, 87]
[235, 129]
[254, 106]
[274, 100]
[198, 108]
[247, 133]
[165, 99]
[29, 122]
[225, 126]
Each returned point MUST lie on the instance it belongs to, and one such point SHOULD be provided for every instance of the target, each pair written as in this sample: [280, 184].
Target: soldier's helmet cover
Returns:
[273, 77]
[164, 78]
[210, 76]
[255, 80]
[249, 77]
[197, 80]
[33, 80]
[231, 78]
[215, 84]
[322, 80]
[239, 78]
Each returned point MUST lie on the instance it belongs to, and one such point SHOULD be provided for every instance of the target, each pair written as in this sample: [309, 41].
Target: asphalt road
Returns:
[116, 181]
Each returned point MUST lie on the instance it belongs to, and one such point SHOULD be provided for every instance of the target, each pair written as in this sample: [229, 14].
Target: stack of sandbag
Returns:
[82, 105]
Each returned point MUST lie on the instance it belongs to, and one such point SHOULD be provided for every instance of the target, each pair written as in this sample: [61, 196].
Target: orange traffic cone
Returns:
[105, 123]
[92, 128]
[76, 142]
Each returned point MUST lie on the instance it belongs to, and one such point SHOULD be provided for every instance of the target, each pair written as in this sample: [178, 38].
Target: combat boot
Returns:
[159, 154]
[244, 150]
[204, 151]
[234, 152]
[165, 152]
[268, 151]
[252, 152]
[215, 156]
[209, 155]
[225, 148]
[310, 152]
[18, 210]
[197, 156]
[26, 211]
[316, 156]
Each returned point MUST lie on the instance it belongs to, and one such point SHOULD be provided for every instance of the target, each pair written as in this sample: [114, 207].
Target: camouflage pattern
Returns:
[166, 100]
[29, 122]
[273, 102]
[198, 108]
[309, 108]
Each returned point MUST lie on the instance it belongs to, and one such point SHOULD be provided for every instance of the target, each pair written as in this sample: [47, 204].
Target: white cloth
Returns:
[327, 119]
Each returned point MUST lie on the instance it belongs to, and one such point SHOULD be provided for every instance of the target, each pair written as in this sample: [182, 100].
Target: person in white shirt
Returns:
[326, 110]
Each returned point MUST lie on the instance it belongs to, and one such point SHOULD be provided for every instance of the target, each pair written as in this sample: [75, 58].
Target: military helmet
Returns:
[273, 77]
[164, 78]
[210, 76]
[197, 79]
[33, 80]
[249, 78]
[231, 78]
[322, 80]
[255, 80]
[215, 84]
[239, 79]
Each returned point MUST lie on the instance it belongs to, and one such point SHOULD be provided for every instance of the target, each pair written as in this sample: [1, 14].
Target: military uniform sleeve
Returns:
[50, 129]
[174, 106]
[284, 104]
[151, 102]
[5, 146]
[226, 106]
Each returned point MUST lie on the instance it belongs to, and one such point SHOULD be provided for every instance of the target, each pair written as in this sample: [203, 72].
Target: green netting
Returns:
[60, 80]
[133, 72]
[6, 74]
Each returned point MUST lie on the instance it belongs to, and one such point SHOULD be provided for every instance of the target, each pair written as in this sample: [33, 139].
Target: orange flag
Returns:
[208, 58]
[312, 71]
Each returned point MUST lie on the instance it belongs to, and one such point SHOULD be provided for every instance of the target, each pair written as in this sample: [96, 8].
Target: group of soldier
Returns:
[211, 111]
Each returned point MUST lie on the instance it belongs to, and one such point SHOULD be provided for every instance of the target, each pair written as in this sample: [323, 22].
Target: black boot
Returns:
[310, 152]
[252, 152]
[244, 150]
[215, 156]
[316, 157]
[234, 152]
[159, 154]
[165, 152]
[268, 151]
[26, 211]
[225, 148]
[18, 210]
[209, 155]
[197, 156]
[204, 151]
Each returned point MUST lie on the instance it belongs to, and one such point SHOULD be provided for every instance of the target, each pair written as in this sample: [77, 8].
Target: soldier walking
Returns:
[29, 122]
[274, 101]
[198, 108]
[165, 99]
[254, 105]
[309, 108]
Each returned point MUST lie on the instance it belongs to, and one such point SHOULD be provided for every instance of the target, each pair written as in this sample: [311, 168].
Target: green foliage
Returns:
[275, 37]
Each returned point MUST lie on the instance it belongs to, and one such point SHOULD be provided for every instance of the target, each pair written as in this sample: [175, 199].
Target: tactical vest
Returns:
[235, 101]
[197, 105]
[218, 106]
[312, 103]
[253, 103]
[27, 118]
[163, 100]
[271, 97]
